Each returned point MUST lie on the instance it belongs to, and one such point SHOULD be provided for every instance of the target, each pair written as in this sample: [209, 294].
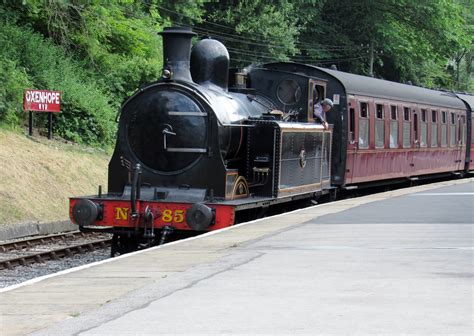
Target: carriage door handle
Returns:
[356, 145]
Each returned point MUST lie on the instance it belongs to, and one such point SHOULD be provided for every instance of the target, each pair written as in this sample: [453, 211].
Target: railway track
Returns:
[53, 247]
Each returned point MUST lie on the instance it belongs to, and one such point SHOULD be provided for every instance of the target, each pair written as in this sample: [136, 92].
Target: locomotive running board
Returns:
[350, 187]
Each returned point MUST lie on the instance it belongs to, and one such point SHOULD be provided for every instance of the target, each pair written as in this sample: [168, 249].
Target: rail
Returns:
[49, 249]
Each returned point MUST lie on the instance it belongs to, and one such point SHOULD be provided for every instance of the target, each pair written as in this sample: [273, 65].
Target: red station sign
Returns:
[42, 101]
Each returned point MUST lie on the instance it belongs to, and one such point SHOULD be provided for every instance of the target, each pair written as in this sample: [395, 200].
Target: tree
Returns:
[464, 56]
[255, 31]
[406, 39]
[100, 50]
[117, 38]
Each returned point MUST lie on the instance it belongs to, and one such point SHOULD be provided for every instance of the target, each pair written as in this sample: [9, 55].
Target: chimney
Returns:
[176, 53]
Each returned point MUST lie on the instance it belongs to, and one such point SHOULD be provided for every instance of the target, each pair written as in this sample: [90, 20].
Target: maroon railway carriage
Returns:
[386, 132]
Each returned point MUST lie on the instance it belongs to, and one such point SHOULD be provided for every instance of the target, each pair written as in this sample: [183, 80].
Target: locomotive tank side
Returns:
[292, 85]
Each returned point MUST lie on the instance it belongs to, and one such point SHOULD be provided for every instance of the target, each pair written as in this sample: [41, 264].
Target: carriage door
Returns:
[460, 135]
[351, 140]
[415, 163]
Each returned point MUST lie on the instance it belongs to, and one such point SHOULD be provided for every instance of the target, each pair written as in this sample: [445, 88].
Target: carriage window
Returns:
[462, 130]
[444, 129]
[406, 113]
[452, 130]
[434, 129]
[415, 126]
[364, 126]
[423, 129]
[351, 125]
[406, 128]
[379, 111]
[379, 127]
[364, 111]
[393, 127]
[393, 113]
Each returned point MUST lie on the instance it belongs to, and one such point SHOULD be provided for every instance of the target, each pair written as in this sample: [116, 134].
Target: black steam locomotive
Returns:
[196, 149]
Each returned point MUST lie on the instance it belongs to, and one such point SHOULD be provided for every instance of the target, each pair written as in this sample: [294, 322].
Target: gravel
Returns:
[23, 273]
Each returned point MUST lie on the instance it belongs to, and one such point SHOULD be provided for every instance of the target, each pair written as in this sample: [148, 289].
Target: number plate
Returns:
[172, 215]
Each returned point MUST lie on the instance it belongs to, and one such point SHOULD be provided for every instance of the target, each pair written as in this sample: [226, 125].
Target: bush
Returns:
[14, 80]
[86, 115]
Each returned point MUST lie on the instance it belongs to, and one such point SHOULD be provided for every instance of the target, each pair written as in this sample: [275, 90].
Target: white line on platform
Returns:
[127, 255]
[445, 194]
[71, 270]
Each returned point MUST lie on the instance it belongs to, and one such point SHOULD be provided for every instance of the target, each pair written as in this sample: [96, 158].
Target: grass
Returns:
[37, 176]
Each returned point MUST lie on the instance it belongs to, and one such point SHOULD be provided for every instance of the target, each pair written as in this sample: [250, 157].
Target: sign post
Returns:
[42, 101]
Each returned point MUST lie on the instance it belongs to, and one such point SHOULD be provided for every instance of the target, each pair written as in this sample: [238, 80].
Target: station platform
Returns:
[399, 262]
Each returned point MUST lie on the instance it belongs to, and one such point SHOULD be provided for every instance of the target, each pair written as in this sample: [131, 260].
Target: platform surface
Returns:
[395, 263]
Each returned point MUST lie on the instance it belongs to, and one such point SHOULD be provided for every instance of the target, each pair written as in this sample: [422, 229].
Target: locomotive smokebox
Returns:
[176, 51]
[210, 63]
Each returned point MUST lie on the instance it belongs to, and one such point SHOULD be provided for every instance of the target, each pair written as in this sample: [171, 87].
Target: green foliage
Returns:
[178, 12]
[254, 31]
[99, 52]
[14, 80]
[113, 37]
[271, 22]
[121, 43]
[464, 57]
[412, 40]
[405, 40]
[107, 50]
[86, 114]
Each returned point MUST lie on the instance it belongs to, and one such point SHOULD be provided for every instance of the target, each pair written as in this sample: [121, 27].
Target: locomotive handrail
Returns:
[168, 130]
[186, 150]
[135, 192]
[237, 125]
[187, 114]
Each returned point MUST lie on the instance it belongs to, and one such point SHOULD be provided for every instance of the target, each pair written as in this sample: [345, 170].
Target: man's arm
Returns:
[318, 113]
